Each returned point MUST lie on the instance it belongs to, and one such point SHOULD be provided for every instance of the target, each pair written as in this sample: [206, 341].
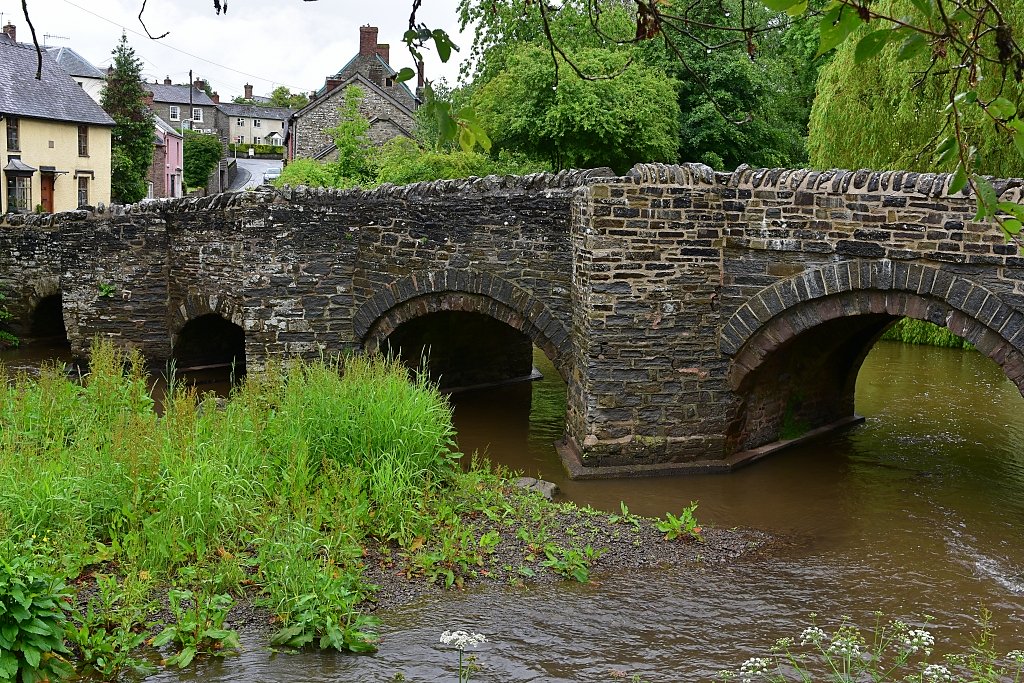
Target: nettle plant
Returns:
[892, 651]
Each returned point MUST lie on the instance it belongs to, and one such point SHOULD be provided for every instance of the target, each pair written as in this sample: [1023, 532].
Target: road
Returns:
[250, 173]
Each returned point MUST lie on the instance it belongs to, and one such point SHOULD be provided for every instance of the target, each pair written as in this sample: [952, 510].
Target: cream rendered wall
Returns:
[267, 126]
[55, 143]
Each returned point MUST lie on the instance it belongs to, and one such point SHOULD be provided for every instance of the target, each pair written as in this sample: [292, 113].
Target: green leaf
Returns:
[1017, 128]
[31, 655]
[185, 657]
[443, 44]
[405, 74]
[959, 179]
[925, 7]
[8, 664]
[871, 44]
[1001, 108]
[797, 9]
[987, 200]
[946, 150]
[1011, 227]
[780, 5]
[837, 24]
[1012, 208]
[911, 47]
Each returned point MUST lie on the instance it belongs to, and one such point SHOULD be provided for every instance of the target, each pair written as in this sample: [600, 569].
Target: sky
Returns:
[267, 43]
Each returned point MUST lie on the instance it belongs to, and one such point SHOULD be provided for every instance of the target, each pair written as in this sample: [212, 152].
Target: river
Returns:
[918, 511]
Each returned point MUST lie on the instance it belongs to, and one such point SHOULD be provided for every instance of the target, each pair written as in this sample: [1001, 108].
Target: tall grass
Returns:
[290, 477]
[913, 331]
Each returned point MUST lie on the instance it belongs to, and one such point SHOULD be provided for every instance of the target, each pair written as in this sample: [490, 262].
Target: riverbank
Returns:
[313, 497]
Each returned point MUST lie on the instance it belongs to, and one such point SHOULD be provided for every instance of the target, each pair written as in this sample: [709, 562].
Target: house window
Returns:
[257, 141]
[241, 123]
[197, 114]
[256, 123]
[83, 190]
[175, 113]
[239, 139]
[19, 194]
[83, 141]
[13, 138]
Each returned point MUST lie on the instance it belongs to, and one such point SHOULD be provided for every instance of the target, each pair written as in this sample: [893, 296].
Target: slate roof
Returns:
[254, 111]
[178, 94]
[164, 127]
[56, 96]
[74, 63]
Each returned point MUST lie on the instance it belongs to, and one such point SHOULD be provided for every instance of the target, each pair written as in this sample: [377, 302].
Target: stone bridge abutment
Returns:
[699, 318]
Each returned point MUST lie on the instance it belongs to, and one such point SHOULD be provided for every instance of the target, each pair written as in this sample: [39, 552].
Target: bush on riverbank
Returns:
[913, 331]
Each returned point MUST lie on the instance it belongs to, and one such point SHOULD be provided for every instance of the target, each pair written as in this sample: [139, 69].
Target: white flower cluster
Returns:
[1016, 656]
[936, 673]
[813, 635]
[847, 648]
[918, 639]
[754, 666]
[462, 639]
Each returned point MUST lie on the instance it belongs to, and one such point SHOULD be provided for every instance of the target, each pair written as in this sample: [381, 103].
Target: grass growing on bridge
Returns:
[280, 492]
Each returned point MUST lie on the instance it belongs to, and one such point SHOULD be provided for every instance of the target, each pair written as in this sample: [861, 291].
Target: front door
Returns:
[47, 192]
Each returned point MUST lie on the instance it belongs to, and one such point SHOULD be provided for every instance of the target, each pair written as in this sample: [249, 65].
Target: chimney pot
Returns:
[248, 91]
[367, 41]
[384, 51]
[420, 81]
[11, 32]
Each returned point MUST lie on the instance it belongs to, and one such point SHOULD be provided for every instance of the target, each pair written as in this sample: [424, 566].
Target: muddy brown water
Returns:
[918, 511]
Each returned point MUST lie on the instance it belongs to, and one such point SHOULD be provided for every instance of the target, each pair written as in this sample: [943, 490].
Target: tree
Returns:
[885, 113]
[578, 122]
[124, 99]
[281, 97]
[201, 154]
[355, 158]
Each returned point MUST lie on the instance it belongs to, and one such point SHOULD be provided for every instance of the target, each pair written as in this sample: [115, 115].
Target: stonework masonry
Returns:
[699, 318]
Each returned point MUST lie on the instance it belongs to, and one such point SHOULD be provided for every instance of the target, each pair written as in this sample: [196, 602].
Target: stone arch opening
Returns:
[462, 349]
[512, 313]
[801, 347]
[46, 321]
[209, 341]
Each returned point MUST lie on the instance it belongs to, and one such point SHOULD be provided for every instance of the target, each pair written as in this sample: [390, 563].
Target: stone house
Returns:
[250, 124]
[165, 173]
[54, 139]
[388, 104]
[186, 106]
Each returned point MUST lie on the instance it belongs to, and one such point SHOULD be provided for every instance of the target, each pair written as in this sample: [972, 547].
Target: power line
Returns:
[189, 54]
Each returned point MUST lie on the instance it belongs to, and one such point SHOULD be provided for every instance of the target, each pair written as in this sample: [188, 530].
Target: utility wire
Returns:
[189, 54]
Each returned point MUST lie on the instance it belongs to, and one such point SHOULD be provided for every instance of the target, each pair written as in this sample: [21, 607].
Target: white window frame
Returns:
[240, 123]
[174, 114]
[257, 141]
[197, 115]
[239, 139]
[257, 123]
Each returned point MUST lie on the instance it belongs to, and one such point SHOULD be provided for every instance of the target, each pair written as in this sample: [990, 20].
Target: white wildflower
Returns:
[918, 639]
[462, 639]
[812, 635]
[753, 667]
[1016, 656]
[847, 648]
[936, 673]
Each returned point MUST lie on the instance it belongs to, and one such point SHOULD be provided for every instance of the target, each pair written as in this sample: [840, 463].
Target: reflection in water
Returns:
[919, 510]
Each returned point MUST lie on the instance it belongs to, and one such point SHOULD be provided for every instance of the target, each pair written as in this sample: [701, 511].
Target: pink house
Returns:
[165, 174]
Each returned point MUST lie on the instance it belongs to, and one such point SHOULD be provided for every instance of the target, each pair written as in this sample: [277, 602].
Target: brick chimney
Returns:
[149, 100]
[331, 83]
[248, 91]
[367, 41]
[420, 81]
[12, 33]
[167, 80]
[199, 84]
[216, 98]
[384, 52]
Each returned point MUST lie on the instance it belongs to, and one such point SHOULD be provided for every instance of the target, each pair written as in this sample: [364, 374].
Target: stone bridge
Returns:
[700, 319]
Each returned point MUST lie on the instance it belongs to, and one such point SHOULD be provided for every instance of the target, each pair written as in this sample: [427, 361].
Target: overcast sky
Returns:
[263, 42]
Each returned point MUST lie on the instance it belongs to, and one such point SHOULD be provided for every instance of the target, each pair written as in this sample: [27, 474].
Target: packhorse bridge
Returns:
[697, 317]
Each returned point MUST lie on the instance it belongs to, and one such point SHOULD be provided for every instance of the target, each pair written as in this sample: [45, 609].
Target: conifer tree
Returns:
[124, 98]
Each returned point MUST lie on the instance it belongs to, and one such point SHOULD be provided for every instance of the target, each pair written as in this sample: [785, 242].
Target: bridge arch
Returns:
[797, 346]
[461, 291]
[207, 329]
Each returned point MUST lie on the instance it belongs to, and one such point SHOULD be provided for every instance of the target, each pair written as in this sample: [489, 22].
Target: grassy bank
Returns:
[302, 493]
[912, 331]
